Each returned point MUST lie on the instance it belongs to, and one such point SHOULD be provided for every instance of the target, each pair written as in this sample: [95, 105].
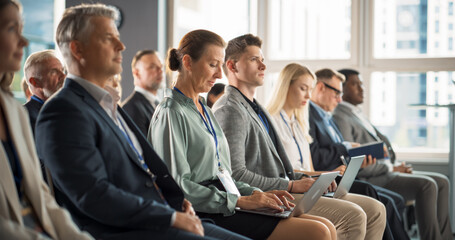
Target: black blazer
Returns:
[140, 110]
[97, 174]
[324, 151]
[33, 108]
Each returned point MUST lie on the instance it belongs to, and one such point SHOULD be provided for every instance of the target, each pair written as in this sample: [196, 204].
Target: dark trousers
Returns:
[393, 203]
[211, 232]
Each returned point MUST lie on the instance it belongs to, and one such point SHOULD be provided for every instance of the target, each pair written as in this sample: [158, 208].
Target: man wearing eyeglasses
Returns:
[328, 147]
[328, 144]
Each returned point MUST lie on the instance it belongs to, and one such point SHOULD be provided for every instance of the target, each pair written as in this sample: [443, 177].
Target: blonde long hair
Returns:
[288, 75]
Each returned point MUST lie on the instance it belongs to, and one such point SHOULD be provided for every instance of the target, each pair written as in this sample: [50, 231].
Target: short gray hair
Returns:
[35, 59]
[75, 24]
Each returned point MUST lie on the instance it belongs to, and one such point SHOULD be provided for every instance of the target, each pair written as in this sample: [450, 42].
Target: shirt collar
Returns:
[171, 93]
[106, 97]
[152, 98]
[352, 107]
[94, 90]
[286, 117]
[325, 115]
[253, 104]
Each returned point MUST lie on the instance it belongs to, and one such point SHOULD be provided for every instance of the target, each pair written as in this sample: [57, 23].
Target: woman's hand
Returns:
[283, 196]
[302, 185]
[260, 200]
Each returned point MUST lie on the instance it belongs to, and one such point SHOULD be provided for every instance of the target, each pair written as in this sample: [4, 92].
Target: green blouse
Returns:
[180, 137]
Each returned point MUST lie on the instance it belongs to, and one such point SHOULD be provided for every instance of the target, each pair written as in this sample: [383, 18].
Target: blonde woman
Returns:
[289, 109]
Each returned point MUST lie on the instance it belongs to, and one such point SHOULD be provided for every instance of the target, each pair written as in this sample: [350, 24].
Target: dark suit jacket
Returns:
[352, 129]
[324, 151]
[140, 110]
[33, 108]
[97, 174]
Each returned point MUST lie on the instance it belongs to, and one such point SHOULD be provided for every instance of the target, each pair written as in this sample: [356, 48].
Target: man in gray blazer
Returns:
[258, 156]
[428, 189]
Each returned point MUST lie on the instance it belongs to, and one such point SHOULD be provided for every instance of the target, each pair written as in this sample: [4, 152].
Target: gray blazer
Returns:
[254, 158]
[352, 130]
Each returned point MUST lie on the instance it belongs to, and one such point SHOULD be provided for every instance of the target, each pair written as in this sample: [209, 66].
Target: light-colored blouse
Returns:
[288, 128]
[180, 137]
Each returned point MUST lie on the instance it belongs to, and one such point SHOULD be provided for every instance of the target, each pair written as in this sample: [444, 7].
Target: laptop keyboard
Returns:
[285, 213]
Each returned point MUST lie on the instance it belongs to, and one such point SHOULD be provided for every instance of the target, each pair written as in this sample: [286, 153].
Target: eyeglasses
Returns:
[338, 93]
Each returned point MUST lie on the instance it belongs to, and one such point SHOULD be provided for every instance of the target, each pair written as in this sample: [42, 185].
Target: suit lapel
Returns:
[6, 176]
[145, 102]
[30, 181]
[147, 149]
[359, 121]
[91, 102]
[319, 122]
[257, 121]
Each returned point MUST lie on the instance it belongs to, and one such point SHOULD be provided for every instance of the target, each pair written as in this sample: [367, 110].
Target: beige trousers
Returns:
[354, 216]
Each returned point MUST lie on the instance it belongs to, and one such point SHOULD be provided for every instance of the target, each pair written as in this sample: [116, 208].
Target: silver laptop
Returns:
[305, 204]
[348, 177]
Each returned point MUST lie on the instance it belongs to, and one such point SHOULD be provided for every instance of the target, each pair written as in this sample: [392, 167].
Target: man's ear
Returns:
[230, 64]
[34, 82]
[135, 72]
[76, 49]
[187, 62]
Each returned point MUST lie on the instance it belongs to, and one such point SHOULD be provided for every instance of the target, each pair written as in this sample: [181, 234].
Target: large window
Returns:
[391, 110]
[402, 48]
[412, 63]
[228, 19]
[413, 28]
[305, 29]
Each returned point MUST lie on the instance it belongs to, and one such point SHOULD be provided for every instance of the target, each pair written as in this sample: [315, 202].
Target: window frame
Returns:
[362, 58]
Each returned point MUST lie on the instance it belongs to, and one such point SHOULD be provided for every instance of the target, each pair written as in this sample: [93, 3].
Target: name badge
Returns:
[227, 182]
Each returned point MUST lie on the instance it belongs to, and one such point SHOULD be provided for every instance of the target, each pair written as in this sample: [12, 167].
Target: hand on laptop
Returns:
[403, 168]
[260, 200]
[283, 196]
[367, 161]
[341, 169]
[302, 185]
[332, 187]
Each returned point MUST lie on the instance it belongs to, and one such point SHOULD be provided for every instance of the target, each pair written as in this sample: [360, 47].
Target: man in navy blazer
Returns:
[105, 172]
[44, 75]
[148, 76]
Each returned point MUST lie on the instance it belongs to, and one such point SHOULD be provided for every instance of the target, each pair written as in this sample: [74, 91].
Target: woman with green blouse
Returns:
[185, 133]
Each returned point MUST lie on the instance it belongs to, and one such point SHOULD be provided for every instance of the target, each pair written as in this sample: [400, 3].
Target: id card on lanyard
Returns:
[228, 183]
[224, 176]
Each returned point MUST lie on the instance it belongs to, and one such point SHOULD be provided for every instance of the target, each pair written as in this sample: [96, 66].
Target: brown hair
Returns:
[139, 55]
[194, 44]
[327, 73]
[237, 46]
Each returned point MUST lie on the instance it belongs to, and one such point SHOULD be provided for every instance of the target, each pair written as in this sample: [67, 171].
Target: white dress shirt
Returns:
[287, 129]
[152, 98]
